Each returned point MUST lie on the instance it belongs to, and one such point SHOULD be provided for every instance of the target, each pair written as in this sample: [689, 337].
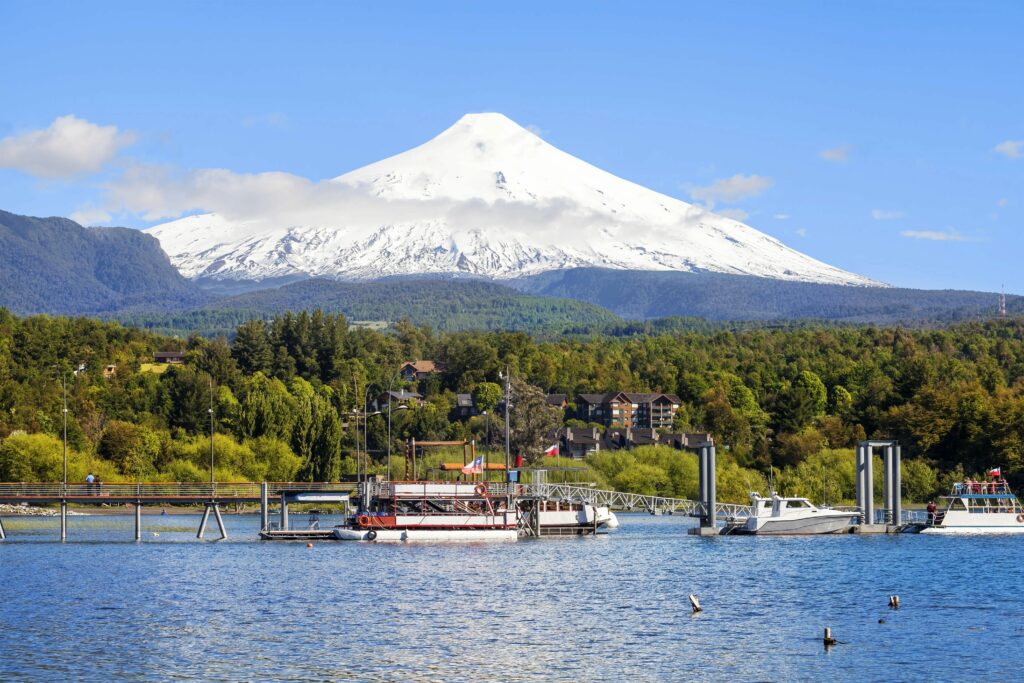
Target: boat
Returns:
[559, 518]
[779, 515]
[975, 507]
[429, 511]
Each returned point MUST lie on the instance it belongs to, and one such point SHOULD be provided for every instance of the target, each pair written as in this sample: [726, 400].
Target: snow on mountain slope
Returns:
[485, 198]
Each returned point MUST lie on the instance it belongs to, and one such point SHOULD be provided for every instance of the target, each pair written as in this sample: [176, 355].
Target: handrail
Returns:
[139, 490]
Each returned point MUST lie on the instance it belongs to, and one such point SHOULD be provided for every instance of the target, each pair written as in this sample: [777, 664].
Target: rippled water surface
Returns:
[103, 608]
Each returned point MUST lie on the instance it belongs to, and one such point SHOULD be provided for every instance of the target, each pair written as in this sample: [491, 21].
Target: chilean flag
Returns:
[475, 467]
[551, 452]
[995, 472]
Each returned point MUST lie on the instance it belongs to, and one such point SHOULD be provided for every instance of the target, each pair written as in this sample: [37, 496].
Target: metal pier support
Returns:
[63, 520]
[708, 494]
[284, 512]
[138, 521]
[220, 521]
[3, 534]
[202, 524]
[892, 483]
[264, 506]
[206, 518]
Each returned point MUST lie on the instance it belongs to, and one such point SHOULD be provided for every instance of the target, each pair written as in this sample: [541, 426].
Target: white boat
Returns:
[779, 515]
[559, 518]
[975, 508]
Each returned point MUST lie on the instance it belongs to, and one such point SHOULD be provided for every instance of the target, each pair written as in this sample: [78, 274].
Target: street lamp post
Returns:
[391, 384]
[64, 386]
[487, 440]
[212, 477]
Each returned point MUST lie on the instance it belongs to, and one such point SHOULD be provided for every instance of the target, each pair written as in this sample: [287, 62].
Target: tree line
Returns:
[283, 394]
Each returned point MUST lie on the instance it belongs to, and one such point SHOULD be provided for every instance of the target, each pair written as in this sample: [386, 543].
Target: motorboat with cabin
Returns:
[974, 507]
[780, 515]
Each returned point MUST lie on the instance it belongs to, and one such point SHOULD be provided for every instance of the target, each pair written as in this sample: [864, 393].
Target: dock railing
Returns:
[249, 491]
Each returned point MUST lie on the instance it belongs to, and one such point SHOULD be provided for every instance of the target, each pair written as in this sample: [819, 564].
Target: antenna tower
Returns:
[1002, 303]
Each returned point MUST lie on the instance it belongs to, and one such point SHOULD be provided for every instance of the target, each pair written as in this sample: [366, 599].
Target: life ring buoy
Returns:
[1020, 518]
[371, 535]
[364, 520]
[481, 489]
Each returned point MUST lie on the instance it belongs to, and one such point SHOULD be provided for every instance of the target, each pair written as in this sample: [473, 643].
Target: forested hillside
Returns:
[54, 265]
[284, 393]
[641, 295]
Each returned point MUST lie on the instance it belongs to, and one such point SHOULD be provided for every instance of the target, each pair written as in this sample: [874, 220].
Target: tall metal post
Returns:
[264, 505]
[138, 521]
[897, 477]
[887, 482]
[859, 478]
[702, 484]
[869, 485]
[284, 512]
[712, 498]
[63, 520]
[212, 480]
[508, 419]
[64, 384]
[3, 534]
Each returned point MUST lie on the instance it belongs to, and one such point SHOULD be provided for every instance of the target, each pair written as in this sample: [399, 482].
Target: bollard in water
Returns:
[828, 640]
[695, 604]
[894, 601]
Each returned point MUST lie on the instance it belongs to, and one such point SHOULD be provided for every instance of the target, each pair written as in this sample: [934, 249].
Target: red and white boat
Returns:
[430, 511]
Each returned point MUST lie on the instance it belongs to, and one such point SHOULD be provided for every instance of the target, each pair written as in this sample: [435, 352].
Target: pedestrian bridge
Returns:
[617, 500]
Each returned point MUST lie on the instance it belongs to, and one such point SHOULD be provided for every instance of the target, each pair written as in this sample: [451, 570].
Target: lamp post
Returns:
[391, 384]
[212, 479]
[487, 440]
[64, 386]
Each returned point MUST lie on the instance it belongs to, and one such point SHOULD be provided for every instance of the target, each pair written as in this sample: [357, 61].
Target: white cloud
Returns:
[938, 236]
[271, 201]
[1003, 203]
[731, 189]
[90, 215]
[839, 155]
[1011, 149]
[884, 215]
[735, 214]
[781, 216]
[69, 146]
[802, 232]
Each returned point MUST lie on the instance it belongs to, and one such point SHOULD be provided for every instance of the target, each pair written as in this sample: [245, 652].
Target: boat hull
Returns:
[831, 524]
[1017, 529]
[415, 535]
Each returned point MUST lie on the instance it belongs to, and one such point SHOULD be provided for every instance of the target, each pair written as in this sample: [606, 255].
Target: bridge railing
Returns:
[165, 490]
[617, 500]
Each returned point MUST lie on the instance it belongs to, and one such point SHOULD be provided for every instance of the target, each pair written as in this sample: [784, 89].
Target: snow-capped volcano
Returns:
[485, 198]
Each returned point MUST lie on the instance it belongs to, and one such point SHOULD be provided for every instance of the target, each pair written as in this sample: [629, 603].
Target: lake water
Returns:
[103, 608]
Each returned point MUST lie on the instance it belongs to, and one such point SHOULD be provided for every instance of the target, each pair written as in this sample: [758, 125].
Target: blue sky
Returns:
[884, 138]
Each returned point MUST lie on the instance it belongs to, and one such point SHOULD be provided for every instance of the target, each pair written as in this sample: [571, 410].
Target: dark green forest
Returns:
[284, 392]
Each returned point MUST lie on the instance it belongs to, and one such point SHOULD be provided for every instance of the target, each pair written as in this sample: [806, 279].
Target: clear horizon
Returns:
[884, 140]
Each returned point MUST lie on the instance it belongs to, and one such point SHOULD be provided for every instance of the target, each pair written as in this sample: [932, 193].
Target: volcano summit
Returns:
[485, 198]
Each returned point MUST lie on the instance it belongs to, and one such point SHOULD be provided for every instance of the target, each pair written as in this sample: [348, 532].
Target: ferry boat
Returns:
[779, 515]
[975, 507]
[429, 511]
[460, 511]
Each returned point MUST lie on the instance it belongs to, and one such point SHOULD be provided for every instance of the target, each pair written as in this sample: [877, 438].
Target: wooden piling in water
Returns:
[828, 640]
[695, 604]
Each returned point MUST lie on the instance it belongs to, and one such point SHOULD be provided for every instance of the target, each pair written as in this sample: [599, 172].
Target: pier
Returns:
[211, 496]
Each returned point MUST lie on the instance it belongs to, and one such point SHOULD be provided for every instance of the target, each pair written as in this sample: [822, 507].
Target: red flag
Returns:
[551, 451]
[995, 472]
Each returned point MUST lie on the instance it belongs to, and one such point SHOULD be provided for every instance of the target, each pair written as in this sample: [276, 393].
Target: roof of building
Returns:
[424, 366]
[402, 395]
[555, 399]
[464, 400]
